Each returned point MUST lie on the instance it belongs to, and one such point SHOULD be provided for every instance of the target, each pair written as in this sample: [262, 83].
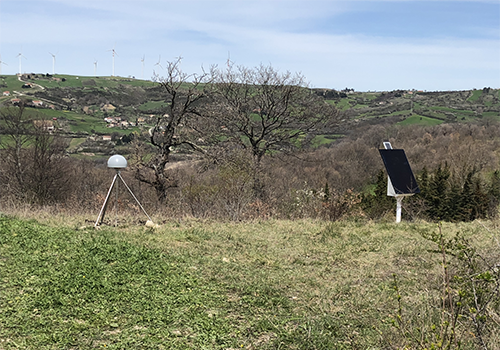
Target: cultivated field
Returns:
[192, 284]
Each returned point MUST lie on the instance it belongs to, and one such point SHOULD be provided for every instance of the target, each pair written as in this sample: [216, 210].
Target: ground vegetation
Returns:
[266, 284]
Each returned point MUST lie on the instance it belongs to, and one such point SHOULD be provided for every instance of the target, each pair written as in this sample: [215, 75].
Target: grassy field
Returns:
[74, 143]
[492, 115]
[475, 95]
[13, 83]
[321, 140]
[153, 105]
[81, 122]
[189, 284]
[342, 104]
[420, 120]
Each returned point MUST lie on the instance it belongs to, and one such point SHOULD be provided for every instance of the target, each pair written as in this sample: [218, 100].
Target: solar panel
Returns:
[400, 175]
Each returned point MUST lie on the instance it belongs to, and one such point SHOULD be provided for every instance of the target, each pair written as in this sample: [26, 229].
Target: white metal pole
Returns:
[399, 199]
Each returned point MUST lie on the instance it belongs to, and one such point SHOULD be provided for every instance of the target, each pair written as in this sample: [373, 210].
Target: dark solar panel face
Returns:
[399, 171]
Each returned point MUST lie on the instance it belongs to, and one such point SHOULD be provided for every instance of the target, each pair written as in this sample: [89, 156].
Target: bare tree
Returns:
[16, 132]
[267, 111]
[35, 168]
[48, 170]
[178, 126]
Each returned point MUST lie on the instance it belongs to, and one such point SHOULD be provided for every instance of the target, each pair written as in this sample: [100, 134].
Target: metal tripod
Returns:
[105, 205]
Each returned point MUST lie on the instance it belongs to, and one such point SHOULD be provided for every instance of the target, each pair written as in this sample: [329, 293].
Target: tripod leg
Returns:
[103, 209]
[130, 191]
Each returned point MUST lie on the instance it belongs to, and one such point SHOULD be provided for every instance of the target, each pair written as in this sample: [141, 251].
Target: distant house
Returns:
[6, 93]
[15, 101]
[108, 107]
[106, 137]
[47, 125]
[38, 103]
[27, 86]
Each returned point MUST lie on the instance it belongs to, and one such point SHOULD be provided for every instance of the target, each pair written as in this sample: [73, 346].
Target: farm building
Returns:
[108, 107]
[47, 125]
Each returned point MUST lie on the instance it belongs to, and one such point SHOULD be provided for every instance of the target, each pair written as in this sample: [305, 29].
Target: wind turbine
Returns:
[114, 53]
[53, 63]
[142, 60]
[21, 56]
[2, 62]
[95, 67]
[158, 63]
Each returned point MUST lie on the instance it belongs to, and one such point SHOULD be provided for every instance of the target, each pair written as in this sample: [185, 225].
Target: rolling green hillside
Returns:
[80, 104]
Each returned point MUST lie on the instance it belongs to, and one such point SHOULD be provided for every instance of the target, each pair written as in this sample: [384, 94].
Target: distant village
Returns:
[112, 122]
[49, 125]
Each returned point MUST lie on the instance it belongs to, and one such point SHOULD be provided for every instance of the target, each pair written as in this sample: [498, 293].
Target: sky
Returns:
[377, 45]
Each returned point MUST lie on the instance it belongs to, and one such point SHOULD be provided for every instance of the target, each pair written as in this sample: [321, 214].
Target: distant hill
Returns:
[85, 107]
[418, 106]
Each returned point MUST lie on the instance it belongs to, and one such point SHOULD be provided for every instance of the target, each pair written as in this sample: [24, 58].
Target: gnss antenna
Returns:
[118, 163]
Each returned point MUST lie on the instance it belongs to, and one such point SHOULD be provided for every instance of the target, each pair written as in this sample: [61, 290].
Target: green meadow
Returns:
[13, 82]
[191, 284]
[420, 120]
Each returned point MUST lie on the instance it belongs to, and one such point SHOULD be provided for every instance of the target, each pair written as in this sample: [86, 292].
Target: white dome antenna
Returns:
[117, 162]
